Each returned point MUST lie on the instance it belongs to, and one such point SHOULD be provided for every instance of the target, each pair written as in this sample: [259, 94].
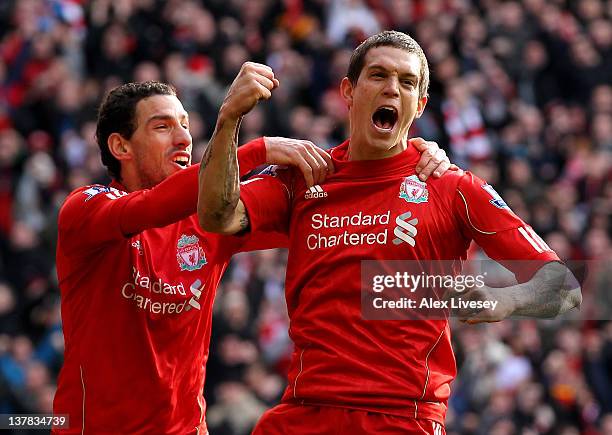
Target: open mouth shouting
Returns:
[385, 118]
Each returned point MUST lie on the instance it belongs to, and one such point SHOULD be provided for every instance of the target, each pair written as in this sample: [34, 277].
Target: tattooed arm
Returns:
[552, 291]
[219, 207]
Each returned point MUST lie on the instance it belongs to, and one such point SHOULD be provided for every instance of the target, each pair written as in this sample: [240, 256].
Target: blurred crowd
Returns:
[521, 94]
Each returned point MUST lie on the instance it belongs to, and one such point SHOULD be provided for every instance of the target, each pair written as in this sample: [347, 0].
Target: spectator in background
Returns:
[464, 125]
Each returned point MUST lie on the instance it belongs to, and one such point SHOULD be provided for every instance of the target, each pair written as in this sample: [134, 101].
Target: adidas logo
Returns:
[315, 191]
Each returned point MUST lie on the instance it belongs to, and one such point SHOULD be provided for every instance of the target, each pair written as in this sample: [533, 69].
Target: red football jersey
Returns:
[397, 367]
[136, 309]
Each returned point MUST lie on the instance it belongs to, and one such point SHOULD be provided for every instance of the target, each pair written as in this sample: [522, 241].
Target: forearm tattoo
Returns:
[219, 176]
[231, 190]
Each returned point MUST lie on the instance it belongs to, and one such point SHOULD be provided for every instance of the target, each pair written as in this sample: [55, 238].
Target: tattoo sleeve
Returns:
[219, 182]
[553, 290]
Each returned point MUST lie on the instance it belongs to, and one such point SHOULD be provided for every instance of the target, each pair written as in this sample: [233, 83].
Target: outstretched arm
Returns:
[94, 215]
[219, 207]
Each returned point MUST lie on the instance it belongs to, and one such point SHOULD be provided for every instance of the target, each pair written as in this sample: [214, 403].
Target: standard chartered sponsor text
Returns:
[131, 290]
[347, 237]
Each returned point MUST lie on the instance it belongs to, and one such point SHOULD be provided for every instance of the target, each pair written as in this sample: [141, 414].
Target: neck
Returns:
[130, 187]
[361, 150]
[129, 179]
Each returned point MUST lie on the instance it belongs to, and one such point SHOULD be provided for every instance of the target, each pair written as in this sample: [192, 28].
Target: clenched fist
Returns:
[254, 82]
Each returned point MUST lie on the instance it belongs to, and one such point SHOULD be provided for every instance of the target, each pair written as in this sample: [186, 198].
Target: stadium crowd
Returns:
[521, 94]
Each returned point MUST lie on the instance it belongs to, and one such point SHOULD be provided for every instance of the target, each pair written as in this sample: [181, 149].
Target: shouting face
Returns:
[383, 102]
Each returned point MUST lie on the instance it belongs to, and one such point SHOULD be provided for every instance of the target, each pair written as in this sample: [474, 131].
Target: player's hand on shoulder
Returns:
[314, 162]
[254, 82]
[433, 159]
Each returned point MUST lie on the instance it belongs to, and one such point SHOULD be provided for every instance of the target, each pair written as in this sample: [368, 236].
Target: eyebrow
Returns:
[381, 67]
[165, 118]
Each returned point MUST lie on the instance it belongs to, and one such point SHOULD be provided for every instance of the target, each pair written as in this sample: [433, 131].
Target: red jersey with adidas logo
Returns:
[136, 309]
[376, 210]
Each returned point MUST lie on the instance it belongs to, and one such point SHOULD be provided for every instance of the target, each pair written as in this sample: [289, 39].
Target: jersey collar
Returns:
[399, 164]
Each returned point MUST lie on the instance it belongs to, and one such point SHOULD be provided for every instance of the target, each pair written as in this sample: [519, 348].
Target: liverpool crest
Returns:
[413, 190]
[189, 253]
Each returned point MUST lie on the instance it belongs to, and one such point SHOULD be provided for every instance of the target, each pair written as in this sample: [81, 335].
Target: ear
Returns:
[119, 147]
[346, 90]
[421, 106]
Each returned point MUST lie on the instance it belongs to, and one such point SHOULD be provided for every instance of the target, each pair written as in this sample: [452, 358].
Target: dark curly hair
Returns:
[389, 38]
[117, 114]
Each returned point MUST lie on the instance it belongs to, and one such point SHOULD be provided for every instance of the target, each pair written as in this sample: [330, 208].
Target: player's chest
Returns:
[393, 218]
[172, 271]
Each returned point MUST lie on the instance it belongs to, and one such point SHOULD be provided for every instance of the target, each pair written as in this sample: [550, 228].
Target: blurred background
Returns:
[521, 94]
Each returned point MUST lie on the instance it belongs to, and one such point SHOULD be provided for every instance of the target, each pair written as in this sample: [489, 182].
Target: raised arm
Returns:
[219, 206]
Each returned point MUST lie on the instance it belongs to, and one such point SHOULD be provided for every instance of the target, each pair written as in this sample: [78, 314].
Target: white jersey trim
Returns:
[437, 427]
[531, 241]
[541, 243]
[427, 371]
[467, 212]
[83, 405]
[298, 375]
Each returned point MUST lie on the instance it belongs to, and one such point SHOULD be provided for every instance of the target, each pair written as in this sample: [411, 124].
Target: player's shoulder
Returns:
[86, 193]
[459, 180]
[484, 207]
[82, 197]
[467, 177]
[471, 185]
[450, 180]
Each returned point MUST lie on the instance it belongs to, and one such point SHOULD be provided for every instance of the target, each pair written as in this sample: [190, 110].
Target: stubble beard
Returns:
[148, 179]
